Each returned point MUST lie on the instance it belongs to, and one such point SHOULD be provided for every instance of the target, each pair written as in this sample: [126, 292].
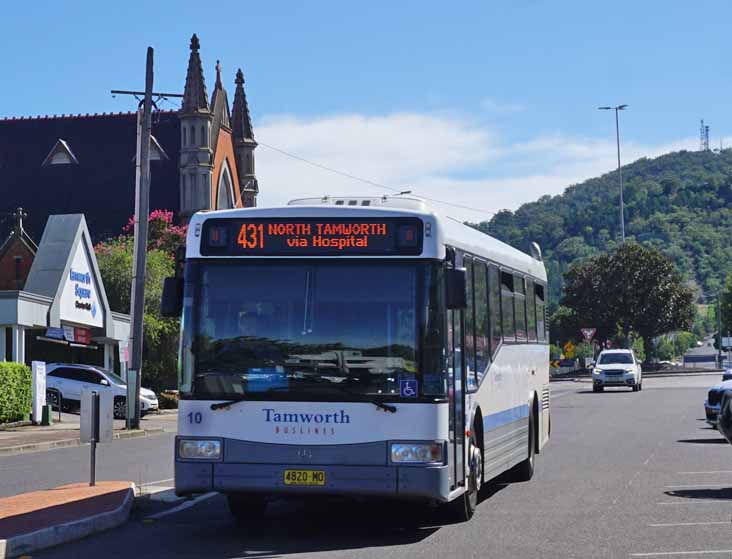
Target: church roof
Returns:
[101, 185]
[194, 94]
[220, 107]
[241, 120]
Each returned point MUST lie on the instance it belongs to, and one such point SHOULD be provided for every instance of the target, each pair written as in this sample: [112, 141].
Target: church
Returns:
[202, 157]
[68, 181]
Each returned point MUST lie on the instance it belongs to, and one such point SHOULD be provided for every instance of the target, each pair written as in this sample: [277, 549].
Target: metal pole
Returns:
[719, 329]
[620, 173]
[142, 211]
[94, 439]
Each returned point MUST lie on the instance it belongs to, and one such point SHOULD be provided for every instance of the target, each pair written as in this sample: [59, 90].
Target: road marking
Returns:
[704, 486]
[671, 524]
[182, 506]
[699, 502]
[672, 553]
[704, 473]
[159, 482]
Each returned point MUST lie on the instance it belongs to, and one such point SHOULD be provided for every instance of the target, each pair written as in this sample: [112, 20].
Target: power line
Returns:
[370, 182]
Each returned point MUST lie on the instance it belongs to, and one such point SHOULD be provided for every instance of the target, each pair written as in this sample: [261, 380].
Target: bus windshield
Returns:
[312, 329]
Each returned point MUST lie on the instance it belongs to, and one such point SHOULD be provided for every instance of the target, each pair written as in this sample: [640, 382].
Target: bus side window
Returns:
[494, 307]
[509, 327]
[469, 348]
[530, 311]
[482, 327]
[519, 300]
[540, 313]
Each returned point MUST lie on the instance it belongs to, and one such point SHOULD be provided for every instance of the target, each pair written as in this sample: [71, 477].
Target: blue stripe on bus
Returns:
[495, 420]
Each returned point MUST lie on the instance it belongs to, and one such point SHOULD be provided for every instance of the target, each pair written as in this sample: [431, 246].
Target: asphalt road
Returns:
[625, 475]
[144, 460]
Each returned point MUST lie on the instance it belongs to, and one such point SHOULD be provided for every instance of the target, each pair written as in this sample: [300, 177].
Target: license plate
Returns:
[304, 477]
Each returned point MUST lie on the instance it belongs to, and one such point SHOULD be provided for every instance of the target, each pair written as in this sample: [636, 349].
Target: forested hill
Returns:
[680, 202]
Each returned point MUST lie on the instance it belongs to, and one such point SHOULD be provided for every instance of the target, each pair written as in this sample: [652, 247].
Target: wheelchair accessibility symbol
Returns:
[408, 388]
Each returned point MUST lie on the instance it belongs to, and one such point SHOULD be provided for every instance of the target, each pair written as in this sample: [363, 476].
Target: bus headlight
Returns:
[417, 453]
[597, 371]
[199, 449]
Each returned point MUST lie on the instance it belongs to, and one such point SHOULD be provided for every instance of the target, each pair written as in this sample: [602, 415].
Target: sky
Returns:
[484, 105]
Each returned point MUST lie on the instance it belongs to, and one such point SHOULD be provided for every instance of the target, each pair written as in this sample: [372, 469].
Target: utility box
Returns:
[106, 416]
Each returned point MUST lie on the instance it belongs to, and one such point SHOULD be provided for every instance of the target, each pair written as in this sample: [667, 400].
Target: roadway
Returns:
[625, 475]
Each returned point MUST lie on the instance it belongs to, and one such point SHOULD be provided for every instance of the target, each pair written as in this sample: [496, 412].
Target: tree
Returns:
[563, 325]
[632, 289]
[160, 335]
[683, 341]
[665, 349]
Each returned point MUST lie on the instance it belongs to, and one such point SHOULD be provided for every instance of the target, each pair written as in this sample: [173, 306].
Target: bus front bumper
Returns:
[403, 482]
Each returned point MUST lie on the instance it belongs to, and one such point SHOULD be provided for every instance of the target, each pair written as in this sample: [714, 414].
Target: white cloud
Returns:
[438, 156]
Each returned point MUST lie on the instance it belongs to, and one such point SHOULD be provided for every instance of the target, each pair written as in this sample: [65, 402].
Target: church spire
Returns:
[244, 145]
[194, 94]
[242, 121]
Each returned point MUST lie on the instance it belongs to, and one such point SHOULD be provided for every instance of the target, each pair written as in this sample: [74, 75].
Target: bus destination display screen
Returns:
[312, 237]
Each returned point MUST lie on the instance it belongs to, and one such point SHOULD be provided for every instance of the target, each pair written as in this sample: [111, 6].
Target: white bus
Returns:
[362, 347]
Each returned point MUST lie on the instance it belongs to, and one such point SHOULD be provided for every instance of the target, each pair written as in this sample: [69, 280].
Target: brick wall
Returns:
[8, 267]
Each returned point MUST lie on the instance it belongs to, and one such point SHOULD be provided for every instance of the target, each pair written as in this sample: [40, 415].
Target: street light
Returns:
[620, 171]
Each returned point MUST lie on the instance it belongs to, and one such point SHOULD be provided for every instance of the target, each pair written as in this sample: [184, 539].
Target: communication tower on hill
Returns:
[703, 136]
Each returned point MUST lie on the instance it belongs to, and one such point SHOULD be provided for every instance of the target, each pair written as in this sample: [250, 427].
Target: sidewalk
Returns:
[40, 519]
[34, 438]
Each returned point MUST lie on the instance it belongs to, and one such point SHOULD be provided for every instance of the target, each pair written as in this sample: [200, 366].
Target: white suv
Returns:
[617, 367]
[69, 380]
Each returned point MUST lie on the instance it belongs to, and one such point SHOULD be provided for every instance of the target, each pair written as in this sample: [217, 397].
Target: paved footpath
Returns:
[34, 438]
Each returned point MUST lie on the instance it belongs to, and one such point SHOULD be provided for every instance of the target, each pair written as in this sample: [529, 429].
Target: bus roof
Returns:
[449, 231]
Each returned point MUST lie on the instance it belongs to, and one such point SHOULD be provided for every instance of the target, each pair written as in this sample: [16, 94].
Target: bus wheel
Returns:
[247, 509]
[464, 506]
[524, 471]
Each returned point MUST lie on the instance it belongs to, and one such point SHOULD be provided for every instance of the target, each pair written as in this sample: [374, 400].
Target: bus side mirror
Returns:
[457, 288]
[171, 304]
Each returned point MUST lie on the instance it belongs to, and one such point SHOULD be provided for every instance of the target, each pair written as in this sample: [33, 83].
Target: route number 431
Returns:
[251, 235]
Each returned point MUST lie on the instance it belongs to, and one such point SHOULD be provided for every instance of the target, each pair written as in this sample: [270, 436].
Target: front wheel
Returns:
[120, 407]
[463, 508]
[247, 509]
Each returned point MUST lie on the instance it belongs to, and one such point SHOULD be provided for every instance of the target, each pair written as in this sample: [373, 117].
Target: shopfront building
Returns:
[61, 314]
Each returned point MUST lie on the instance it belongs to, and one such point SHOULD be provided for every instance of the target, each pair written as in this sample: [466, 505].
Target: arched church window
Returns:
[225, 197]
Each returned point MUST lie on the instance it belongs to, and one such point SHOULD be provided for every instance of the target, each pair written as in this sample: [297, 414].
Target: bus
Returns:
[363, 347]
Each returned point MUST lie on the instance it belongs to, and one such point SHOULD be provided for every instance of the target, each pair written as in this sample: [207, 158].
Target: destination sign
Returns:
[312, 237]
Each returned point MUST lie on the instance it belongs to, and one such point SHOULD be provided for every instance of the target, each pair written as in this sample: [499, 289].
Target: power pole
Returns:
[142, 211]
[139, 261]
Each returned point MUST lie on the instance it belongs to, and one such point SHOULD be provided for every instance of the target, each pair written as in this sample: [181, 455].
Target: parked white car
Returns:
[69, 380]
[617, 367]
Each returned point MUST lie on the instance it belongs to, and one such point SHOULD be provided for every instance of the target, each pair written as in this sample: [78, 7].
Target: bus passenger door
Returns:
[457, 397]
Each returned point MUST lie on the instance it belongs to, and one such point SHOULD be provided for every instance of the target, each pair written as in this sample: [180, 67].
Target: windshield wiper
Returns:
[227, 403]
[378, 403]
